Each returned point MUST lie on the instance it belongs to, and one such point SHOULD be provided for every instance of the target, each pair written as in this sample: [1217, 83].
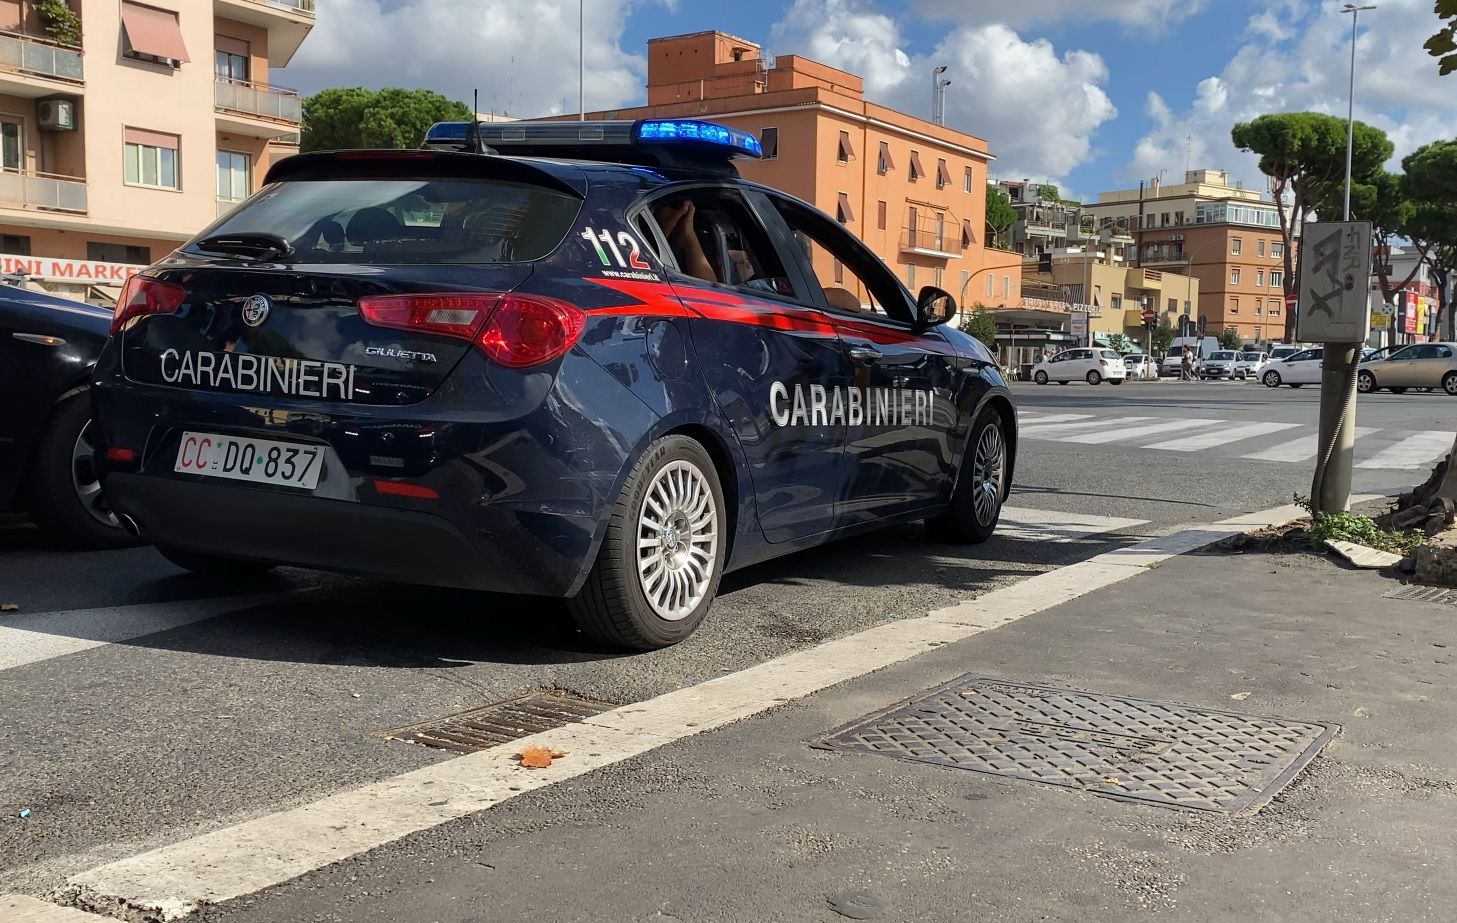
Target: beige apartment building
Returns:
[912, 190]
[1226, 236]
[118, 148]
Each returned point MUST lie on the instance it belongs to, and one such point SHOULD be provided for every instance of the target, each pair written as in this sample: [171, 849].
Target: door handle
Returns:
[866, 354]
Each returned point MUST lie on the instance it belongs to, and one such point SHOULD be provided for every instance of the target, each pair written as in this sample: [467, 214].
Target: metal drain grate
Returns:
[1429, 594]
[1131, 749]
[483, 728]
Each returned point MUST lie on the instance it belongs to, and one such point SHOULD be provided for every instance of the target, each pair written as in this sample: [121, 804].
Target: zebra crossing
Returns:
[1293, 443]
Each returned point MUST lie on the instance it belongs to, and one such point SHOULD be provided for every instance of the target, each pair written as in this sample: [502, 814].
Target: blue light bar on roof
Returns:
[692, 131]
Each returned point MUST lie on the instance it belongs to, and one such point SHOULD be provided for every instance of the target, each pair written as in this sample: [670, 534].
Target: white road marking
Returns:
[1120, 434]
[17, 908]
[1052, 526]
[1416, 451]
[32, 638]
[1297, 450]
[1042, 419]
[174, 880]
[1226, 436]
[1055, 430]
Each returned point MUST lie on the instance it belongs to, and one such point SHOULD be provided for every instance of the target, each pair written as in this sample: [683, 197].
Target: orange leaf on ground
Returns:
[535, 757]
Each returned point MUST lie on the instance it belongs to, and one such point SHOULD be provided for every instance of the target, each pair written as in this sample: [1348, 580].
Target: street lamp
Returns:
[938, 95]
[582, 60]
[1355, 12]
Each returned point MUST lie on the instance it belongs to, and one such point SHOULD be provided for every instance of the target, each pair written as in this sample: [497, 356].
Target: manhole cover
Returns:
[1155, 752]
[1430, 594]
[482, 728]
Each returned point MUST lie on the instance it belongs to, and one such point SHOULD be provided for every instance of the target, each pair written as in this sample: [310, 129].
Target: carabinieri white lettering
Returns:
[817, 405]
[259, 374]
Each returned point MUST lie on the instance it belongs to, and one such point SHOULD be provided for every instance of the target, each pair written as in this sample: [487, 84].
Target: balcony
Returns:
[256, 110]
[288, 22]
[31, 66]
[929, 243]
[1149, 279]
[42, 192]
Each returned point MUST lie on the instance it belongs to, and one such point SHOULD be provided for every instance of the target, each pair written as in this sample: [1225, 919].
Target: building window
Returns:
[965, 281]
[844, 153]
[1187, 306]
[883, 163]
[233, 176]
[15, 244]
[1164, 219]
[1259, 278]
[1259, 334]
[991, 286]
[1277, 278]
[769, 141]
[1234, 305]
[150, 159]
[1260, 246]
[966, 180]
[839, 271]
[12, 146]
[1117, 301]
[1277, 249]
[917, 171]
[1173, 305]
[1274, 308]
[1235, 245]
[941, 231]
[1178, 217]
[943, 175]
[911, 276]
[152, 35]
[937, 283]
[880, 215]
[230, 59]
[1259, 307]
[843, 212]
[1234, 277]
[118, 253]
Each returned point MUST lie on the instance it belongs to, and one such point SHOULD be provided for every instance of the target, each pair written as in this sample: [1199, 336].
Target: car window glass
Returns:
[1427, 352]
[1444, 352]
[853, 279]
[1108, 354]
[1406, 352]
[713, 237]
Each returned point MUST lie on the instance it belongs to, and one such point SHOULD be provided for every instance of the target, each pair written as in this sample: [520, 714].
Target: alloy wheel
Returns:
[677, 540]
[85, 482]
[988, 467]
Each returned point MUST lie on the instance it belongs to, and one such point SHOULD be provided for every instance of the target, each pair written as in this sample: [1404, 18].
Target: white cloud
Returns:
[1038, 110]
[1296, 57]
[1141, 13]
[526, 65]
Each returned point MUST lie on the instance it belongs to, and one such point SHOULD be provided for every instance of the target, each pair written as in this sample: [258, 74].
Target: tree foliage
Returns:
[1000, 214]
[978, 322]
[1304, 155]
[1430, 183]
[1162, 336]
[1229, 338]
[345, 118]
[1120, 344]
[1443, 45]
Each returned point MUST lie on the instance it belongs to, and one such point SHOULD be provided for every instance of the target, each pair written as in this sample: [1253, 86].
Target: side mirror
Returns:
[934, 307]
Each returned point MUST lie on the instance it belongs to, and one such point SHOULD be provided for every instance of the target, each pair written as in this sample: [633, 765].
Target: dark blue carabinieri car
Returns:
[582, 360]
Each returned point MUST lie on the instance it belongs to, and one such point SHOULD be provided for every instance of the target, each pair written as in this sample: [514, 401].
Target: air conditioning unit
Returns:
[56, 114]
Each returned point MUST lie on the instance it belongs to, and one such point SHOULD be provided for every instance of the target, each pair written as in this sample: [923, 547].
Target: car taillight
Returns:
[516, 331]
[1102, 361]
[142, 296]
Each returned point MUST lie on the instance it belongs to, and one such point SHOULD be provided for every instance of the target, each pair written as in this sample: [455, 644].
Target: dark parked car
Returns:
[48, 348]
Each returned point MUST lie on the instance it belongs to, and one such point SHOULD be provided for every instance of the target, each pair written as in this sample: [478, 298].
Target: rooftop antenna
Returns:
[1188, 152]
[473, 130]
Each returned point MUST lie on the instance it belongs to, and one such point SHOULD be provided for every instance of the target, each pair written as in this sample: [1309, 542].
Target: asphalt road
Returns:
[225, 702]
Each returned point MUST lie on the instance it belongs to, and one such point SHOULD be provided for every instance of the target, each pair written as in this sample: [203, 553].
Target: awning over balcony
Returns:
[842, 209]
[153, 31]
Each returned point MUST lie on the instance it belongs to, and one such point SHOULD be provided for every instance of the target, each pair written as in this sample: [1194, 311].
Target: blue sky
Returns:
[1092, 94]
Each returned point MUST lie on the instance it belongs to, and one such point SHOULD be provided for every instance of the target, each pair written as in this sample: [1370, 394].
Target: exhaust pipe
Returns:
[132, 527]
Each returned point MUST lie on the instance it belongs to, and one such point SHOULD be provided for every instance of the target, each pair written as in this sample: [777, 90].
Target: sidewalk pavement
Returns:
[752, 823]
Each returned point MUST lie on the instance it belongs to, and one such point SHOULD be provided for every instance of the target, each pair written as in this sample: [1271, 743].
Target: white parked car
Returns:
[1139, 366]
[1250, 364]
[1302, 368]
[1284, 351]
[1094, 366]
[1220, 364]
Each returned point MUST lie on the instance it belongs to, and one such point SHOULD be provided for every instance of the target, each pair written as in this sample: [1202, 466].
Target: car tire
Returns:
[1398, 390]
[976, 503]
[63, 494]
[1115, 381]
[1063, 382]
[1365, 382]
[1040, 377]
[1094, 378]
[1271, 379]
[213, 565]
[1297, 386]
[1449, 383]
[643, 597]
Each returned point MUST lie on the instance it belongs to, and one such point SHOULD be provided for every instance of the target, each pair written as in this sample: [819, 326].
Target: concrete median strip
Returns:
[175, 880]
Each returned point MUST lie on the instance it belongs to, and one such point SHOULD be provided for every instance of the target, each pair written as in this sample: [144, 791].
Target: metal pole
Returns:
[582, 60]
[1355, 12]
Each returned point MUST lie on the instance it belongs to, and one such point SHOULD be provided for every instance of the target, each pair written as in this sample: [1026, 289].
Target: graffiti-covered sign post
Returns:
[1335, 279]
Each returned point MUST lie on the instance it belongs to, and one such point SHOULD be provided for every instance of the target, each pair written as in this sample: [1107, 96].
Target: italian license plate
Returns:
[260, 461]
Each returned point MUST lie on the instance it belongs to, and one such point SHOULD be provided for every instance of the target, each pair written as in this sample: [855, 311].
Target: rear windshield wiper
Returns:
[253, 246]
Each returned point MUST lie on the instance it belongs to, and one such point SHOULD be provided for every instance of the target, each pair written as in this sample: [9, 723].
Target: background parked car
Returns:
[1251, 363]
[1094, 366]
[1221, 364]
[48, 347]
[1301, 368]
[1284, 351]
[1421, 365]
[1139, 366]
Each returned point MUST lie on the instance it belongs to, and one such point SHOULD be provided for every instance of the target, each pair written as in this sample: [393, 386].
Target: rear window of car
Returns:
[1223, 356]
[1108, 354]
[1251, 357]
[409, 220]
